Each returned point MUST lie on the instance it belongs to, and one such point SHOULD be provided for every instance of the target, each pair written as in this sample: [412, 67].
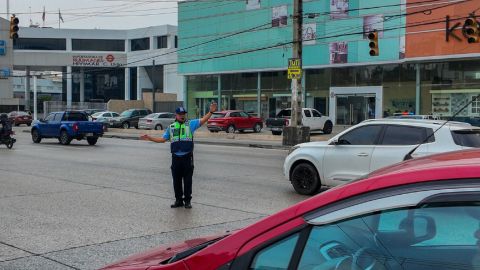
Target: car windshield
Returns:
[22, 113]
[218, 115]
[467, 138]
[126, 113]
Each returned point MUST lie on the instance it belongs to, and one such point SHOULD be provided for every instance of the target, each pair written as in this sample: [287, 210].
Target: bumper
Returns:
[144, 126]
[276, 129]
[216, 128]
[89, 135]
[114, 124]
[21, 121]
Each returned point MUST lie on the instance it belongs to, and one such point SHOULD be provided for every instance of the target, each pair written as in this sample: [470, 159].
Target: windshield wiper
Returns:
[409, 154]
[184, 254]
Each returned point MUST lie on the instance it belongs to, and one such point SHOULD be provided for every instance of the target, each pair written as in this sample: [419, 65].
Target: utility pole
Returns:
[153, 86]
[8, 9]
[296, 133]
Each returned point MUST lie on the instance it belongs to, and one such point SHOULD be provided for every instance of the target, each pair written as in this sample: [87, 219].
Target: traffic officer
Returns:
[180, 134]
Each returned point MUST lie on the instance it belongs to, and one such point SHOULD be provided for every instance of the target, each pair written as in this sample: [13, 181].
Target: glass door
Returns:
[354, 108]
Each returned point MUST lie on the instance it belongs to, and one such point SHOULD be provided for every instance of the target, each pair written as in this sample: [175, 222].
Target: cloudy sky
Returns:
[90, 14]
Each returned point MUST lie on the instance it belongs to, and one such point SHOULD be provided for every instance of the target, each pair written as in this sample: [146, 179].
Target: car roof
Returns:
[227, 111]
[422, 122]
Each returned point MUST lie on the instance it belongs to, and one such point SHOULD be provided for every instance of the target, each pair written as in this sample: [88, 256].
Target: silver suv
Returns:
[129, 118]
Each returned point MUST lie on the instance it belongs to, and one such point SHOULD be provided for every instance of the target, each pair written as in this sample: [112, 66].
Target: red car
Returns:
[230, 121]
[419, 214]
[17, 118]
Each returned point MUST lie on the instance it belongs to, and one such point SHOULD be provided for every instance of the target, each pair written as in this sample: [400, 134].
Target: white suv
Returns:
[371, 145]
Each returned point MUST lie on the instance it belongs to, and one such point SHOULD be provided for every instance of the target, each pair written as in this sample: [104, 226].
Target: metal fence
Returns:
[56, 106]
[167, 106]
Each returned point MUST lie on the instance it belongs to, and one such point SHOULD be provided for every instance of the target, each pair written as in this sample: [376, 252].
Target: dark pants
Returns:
[182, 168]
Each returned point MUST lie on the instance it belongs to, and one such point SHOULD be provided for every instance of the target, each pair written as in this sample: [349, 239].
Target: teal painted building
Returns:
[236, 54]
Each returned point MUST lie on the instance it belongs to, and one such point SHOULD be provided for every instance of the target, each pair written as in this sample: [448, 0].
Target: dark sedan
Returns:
[18, 118]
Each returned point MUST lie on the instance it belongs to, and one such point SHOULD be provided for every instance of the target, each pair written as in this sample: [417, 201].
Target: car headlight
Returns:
[292, 149]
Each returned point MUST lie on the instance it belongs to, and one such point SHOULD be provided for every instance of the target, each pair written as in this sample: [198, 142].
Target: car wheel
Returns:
[29, 124]
[327, 128]
[125, 125]
[212, 131]
[276, 133]
[36, 138]
[9, 142]
[92, 141]
[231, 129]
[305, 179]
[158, 127]
[257, 128]
[64, 138]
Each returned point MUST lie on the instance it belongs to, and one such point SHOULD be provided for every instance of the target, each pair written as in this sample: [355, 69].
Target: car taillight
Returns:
[75, 127]
[287, 122]
[12, 133]
[94, 118]
[149, 120]
[103, 127]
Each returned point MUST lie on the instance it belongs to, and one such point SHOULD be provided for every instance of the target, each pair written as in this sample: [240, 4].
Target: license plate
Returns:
[12, 136]
[89, 134]
[213, 124]
[25, 118]
[276, 129]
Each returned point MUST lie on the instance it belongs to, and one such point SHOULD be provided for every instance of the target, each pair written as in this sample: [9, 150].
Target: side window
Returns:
[172, 115]
[115, 114]
[403, 135]
[243, 114]
[316, 113]
[49, 117]
[430, 132]
[365, 135]
[275, 256]
[233, 114]
[57, 117]
[135, 113]
[107, 115]
[307, 113]
[144, 112]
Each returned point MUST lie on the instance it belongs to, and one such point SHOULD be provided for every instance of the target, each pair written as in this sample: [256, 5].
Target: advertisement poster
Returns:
[371, 23]
[338, 9]
[338, 52]
[279, 16]
[253, 4]
[309, 34]
[401, 52]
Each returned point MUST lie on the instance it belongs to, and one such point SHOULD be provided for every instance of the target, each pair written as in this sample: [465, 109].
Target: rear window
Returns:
[285, 113]
[75, 117]
[467, 138]
[22, 113]
[218, 115]
[97, 114]
[151, 115]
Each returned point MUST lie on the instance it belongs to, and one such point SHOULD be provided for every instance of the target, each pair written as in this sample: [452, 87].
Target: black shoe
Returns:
[176, 204]
[188, 204]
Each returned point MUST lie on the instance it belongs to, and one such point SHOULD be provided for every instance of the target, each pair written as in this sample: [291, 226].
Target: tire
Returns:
[231, 129]
[212, 131]
[257, 128]
[9, 142]
[92, 141]
[136, 127]
[125, 125]
[276, 133]
[327, 128]
[305, 179]
[64, 138]
[29, 124]
[158, 127]
[36, 138]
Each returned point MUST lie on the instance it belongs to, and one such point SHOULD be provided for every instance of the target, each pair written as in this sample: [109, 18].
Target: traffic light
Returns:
[373, 44]
[472, 30]
[14, 27]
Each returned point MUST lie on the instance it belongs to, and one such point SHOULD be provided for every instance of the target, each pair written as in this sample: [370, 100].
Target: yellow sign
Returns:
[294, 68]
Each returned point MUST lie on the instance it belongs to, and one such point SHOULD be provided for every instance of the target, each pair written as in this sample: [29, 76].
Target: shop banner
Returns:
[98, 60]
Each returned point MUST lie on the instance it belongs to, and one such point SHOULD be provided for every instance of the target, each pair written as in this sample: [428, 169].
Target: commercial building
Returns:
[236, 54]
[91, 65]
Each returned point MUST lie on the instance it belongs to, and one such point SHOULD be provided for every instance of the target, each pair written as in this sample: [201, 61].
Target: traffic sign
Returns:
[294, 68]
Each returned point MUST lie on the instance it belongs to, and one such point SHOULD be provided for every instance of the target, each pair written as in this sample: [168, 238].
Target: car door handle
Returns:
[362, 155]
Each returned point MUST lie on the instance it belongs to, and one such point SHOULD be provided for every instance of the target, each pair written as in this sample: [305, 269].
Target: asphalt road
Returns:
[82, 207]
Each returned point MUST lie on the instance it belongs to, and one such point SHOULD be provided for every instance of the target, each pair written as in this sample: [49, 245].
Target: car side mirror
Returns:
[335, 141]
[41, 120]
[420, 228]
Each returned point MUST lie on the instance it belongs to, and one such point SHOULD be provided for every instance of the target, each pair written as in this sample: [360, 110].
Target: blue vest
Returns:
[181, 137]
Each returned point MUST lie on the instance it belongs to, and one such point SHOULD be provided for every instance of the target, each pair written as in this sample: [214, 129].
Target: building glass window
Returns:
[317, 87]
[98, 45]
[162, 42]
[475, 105]
[343, 76]
[140, 44]
[59, 44]
[176, 41]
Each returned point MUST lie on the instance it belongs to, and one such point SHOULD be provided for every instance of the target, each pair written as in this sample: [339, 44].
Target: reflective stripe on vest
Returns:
[183, 134]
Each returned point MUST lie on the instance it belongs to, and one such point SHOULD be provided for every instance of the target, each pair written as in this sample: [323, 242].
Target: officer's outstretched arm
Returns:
[153, 139]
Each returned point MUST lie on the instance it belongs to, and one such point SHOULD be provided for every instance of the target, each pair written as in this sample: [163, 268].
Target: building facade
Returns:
[98, 64]
[236, 54]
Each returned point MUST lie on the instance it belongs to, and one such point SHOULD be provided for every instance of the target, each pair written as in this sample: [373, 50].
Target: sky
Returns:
[91, 14]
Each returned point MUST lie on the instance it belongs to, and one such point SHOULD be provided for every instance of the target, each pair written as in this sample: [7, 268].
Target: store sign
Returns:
[87, 60]
[2, 47]
[4, 74]
[294, 68]
[449, 30]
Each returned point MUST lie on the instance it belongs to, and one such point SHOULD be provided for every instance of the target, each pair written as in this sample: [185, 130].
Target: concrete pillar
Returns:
[27, 89]
[35, 98]
[259, 95]
[139, 78]
[417, 89]
[219, 98]
[304, 91]
[69, 87]
[82, 85]
[127, 83]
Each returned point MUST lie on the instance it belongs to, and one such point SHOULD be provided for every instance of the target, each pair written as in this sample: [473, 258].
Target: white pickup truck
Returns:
[310, 117]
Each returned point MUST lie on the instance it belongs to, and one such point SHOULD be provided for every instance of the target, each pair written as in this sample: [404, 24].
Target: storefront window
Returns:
[368, 76]
[317, 87]
[202, 92]
[343, 77]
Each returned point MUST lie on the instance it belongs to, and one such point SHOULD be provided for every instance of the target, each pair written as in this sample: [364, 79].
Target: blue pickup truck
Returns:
[66, 126]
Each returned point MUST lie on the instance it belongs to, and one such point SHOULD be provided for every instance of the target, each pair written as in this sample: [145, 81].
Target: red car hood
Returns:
[159, 254]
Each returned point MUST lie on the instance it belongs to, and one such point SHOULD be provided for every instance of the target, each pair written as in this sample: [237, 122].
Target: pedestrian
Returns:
[180, 133]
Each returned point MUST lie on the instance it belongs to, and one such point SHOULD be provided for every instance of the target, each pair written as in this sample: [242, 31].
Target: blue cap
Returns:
[180, 110]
